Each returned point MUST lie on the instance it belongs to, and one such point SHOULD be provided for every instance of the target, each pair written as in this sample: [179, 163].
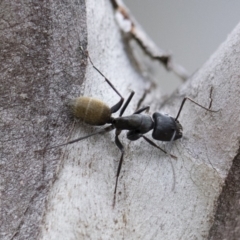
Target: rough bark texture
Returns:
[227, 217]
[42, 67]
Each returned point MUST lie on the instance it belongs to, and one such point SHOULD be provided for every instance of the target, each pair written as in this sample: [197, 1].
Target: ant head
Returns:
[165, 127]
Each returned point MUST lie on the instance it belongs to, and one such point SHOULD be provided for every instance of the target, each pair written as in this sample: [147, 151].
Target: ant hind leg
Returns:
[100, 131]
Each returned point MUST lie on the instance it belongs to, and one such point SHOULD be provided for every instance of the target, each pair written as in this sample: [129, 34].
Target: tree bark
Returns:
[40, 67]
[67, 192]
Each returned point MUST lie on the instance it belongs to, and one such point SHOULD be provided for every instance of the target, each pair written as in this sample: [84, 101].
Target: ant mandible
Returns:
[95, 112]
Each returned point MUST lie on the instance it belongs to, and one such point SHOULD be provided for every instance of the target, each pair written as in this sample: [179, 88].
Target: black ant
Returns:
[95, 112]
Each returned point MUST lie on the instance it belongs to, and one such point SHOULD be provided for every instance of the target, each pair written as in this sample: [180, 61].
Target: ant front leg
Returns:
[156, 146]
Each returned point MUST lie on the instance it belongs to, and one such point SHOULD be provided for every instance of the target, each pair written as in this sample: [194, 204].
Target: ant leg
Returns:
[155, 145]
[142, 109]
[126, 103]
[116, 107]
[187, 98]
[104, 130]
[120, 146]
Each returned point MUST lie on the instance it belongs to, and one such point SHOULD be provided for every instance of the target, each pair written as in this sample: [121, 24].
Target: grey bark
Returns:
[40, 67]
[67, 193]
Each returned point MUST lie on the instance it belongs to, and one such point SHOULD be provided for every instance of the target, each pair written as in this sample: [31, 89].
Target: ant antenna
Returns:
[179, 111]
[183, 102]
[178, 114]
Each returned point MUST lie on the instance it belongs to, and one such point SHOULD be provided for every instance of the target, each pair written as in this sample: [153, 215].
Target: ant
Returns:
[95, 112]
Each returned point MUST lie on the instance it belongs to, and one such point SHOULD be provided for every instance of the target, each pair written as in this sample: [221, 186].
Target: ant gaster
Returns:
[95, 112]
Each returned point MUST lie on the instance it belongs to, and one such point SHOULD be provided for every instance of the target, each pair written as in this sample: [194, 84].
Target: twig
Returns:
[131, 27]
